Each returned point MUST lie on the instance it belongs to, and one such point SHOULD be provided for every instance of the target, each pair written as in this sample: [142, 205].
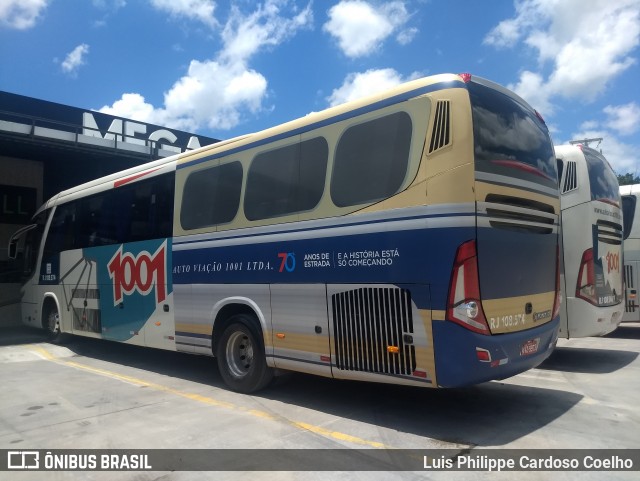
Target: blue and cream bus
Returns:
[592, 274]
[410, 237]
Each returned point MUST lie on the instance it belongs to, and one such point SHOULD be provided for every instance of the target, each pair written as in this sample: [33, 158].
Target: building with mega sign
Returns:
[47, 147]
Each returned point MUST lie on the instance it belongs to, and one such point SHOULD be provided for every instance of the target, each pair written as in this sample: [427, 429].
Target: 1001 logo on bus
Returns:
[613, 262]
[139, 273]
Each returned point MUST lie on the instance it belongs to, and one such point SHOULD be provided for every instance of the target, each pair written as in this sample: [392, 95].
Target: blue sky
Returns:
[222, 69]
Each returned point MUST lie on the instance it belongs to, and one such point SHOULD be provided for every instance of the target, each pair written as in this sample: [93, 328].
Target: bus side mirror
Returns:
[13, 241]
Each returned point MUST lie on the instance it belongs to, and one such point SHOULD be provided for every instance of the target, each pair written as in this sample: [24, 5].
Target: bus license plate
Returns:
[530, 347]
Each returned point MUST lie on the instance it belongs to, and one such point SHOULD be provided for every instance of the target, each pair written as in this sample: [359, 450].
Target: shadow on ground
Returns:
[490, 414]
[588, 361]
[627, 330]
[15, 335]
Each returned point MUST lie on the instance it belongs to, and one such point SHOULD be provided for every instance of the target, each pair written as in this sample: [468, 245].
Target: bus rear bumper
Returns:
[585, 320]
[465, 358]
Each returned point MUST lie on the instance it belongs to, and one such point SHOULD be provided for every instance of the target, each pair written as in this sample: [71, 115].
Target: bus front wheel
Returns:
[241, 357]
[52, 323]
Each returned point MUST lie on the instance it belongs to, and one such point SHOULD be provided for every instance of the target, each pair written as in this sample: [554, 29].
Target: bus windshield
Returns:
[24, 246]
[509, 138]
[604, 184]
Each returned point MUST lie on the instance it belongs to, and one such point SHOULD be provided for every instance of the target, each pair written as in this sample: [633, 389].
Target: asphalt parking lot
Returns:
[89, 394]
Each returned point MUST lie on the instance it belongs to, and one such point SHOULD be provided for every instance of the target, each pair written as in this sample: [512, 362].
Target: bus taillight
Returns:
[464, 305]
[586, 288]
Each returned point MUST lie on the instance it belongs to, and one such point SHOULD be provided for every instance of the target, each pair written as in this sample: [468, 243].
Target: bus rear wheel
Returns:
[241, 357]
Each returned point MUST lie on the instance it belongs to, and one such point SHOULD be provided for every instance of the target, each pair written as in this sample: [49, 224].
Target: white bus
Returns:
[592, 279]
[381, 240]
[631, 213]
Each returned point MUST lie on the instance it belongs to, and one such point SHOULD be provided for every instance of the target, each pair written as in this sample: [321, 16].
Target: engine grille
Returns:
[518, 214]
[609, 232]
[570, 178]
[368, 320]
[440, 135]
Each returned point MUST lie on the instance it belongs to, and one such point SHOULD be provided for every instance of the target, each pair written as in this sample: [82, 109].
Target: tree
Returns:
[628, 179]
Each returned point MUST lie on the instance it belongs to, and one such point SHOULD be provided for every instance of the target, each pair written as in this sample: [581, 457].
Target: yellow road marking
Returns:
[209, 400]
[337, 435]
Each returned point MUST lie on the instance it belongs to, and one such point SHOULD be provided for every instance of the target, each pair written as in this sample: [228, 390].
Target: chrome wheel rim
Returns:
[52, 321]
[239, 354]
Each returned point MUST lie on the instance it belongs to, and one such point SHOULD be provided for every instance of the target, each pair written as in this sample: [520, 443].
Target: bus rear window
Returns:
[509, 138]
[604, 183]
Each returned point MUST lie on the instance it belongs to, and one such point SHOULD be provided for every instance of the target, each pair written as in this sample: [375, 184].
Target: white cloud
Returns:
[360, 27]
[358, 85]
[216, 93]
[589, 125]
[132, 106]
[107, 8]
[406, 36]
[505, 34]
[109, 4]
[528, 14]
[587, 43]
[201, 10]
[614, 121]
[75, 59]
[531, 87]
[243, 36]
[625, 119]
[21, 14]
[206, 96]
[622, 157]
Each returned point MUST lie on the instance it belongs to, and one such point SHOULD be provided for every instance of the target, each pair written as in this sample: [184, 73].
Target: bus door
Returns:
[18, 281]
[132, 282]
[69, 274]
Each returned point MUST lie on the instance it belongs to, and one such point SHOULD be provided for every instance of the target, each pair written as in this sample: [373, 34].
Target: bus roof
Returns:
[331, 115]
[295, 127]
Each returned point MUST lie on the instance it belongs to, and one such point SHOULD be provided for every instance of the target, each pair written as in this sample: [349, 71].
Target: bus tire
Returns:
[51, 323]
[241, 357]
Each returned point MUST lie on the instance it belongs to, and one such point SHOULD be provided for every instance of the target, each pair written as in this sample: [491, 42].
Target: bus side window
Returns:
[95, 223]
[60, 236]
[371, 160]
[141, 219]
[139, 211]
[560, 169]
[161, 208]
[287, 180]
[211, 196]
